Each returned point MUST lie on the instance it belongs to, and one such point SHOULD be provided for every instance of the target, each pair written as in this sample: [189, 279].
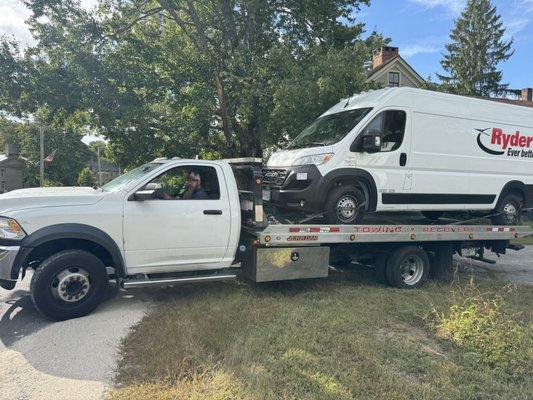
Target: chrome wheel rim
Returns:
[347, 208]
[71, 285]
[412, 269]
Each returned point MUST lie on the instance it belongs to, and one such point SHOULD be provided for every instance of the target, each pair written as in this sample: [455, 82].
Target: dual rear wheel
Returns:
[405, 267]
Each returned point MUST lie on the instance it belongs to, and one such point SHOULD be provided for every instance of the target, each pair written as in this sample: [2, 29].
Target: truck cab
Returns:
[143, 222]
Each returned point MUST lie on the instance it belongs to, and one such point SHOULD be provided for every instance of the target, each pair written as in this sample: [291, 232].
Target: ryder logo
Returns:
[496, 142]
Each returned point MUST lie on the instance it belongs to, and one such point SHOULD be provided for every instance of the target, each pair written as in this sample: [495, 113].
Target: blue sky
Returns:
[420, 28]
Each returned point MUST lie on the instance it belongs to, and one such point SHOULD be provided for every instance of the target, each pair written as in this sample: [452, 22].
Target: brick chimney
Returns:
[527, 94]
[383, 55]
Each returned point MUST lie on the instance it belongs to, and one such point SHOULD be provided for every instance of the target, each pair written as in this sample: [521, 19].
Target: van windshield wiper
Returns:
[313, 144]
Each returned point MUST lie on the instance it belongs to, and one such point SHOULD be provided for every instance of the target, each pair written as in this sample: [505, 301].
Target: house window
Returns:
[3, 172]
[394, 79]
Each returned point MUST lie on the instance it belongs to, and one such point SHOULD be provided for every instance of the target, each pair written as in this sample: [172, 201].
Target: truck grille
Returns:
[274, 176]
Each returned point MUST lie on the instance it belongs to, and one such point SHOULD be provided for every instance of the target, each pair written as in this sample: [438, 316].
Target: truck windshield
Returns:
[328, 129]
[130, 176]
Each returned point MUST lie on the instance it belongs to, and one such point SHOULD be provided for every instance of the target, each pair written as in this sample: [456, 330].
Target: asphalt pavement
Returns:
[76, 359]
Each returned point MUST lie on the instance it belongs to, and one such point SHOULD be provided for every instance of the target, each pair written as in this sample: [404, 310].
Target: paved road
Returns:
[76, 358]
[64, 360]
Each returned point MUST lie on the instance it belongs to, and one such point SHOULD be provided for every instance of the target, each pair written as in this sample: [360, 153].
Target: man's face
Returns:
[193, 181]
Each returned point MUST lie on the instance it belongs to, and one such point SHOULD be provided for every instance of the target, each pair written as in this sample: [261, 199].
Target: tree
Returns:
[214, 78]
[86, 177]
[476, 49]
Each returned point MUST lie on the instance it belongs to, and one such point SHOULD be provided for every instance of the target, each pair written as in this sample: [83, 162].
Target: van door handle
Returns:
[213, 212]
[403, 159]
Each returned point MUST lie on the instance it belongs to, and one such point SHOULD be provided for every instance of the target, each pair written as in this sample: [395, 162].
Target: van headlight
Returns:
[316, 159]
[10, 229]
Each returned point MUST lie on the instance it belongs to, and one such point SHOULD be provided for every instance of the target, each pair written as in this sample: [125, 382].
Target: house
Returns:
[106, 170]
[11, 169]
[390, 69]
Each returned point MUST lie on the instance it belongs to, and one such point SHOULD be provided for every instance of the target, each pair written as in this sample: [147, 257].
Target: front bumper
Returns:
[294, 187]
[7, 259]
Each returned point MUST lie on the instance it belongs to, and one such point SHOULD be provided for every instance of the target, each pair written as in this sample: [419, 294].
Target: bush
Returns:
[86, 178]
[484, 325]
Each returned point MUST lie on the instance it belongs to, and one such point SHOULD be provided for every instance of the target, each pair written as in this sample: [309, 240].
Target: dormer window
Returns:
[394, 79]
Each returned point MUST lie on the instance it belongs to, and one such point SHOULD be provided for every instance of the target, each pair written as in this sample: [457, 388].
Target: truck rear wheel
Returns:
[408, 267]
[345, 205]
[68, 284]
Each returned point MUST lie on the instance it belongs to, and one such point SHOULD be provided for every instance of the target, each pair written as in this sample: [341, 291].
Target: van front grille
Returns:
[274, 176]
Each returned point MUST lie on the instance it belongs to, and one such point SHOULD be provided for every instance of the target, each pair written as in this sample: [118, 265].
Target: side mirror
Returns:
[142, 195]
[149, 192]
[370, 141]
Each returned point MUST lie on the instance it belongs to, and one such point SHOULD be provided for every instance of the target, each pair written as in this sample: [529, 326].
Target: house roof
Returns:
[397, 59]
[4, 158]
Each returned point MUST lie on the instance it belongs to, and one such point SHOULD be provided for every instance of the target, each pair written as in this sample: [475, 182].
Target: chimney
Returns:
[11, 149]
[383, 55]
[527, 94]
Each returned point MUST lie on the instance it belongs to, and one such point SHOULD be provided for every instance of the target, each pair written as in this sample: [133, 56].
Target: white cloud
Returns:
[13, 15]
[428, 45]
[453, 6]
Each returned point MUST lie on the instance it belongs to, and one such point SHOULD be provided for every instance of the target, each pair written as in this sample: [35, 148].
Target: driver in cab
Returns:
[193, 189]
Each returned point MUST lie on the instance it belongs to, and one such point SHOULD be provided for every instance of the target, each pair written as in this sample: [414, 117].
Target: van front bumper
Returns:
[7, 259]
[293, 187]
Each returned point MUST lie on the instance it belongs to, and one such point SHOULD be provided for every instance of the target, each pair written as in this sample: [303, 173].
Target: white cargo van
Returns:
[406, 149]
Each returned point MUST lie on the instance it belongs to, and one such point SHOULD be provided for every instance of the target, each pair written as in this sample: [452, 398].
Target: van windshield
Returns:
[328, 129]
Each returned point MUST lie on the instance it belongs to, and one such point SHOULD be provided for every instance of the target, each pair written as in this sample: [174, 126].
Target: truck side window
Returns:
[187, 183]
[391, 124]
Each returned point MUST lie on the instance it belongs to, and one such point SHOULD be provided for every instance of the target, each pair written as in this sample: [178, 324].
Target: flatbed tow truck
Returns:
[78, 239]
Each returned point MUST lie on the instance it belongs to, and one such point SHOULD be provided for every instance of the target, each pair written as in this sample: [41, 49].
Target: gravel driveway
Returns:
[76, 358]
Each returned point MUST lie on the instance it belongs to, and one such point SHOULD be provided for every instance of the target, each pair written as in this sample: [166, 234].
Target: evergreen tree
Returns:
[476, 49]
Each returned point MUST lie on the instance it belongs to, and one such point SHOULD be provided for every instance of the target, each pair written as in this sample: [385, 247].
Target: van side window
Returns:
[391, 124]
[186, 183]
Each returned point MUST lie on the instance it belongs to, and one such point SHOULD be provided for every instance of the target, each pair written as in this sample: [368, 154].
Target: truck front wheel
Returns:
[68, 284]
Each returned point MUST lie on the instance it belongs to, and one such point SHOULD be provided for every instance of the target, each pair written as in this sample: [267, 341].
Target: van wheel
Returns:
[432, 215]
[68, 284]
[408, 267]
[345, 205]
[509, 210]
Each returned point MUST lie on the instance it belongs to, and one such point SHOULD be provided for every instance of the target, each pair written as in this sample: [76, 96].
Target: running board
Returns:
[133, 283]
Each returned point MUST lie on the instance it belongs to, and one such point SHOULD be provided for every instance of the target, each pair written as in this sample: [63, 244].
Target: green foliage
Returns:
[483, 324]
[212, 78]
[476, 48]
[86, 178]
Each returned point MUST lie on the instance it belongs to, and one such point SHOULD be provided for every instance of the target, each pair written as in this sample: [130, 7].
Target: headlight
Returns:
[10, 229]
[316, 159]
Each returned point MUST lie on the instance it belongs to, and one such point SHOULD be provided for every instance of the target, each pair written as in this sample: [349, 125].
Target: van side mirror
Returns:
[369, 142]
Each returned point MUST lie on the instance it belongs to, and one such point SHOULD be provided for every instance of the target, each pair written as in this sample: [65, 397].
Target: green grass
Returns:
[341, 338]
[527, 240]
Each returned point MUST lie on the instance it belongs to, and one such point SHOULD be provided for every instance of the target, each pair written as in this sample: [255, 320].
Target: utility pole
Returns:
[99, 167]
[41, 157]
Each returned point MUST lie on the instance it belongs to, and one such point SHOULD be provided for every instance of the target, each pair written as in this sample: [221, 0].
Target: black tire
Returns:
[408, 267]
[352, 199]
[67, 267]
[380, 267]
[432, 215]
[509, 210]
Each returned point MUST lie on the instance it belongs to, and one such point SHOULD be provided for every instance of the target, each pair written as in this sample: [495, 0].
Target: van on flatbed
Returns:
[139, 230]
[406, 149]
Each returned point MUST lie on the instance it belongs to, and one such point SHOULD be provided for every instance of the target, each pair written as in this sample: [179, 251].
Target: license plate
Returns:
[266, 195]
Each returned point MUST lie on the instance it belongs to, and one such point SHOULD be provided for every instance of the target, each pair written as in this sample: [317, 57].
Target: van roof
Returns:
[418, 98]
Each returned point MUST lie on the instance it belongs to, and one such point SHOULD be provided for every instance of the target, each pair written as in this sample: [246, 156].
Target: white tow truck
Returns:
[140, 230]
